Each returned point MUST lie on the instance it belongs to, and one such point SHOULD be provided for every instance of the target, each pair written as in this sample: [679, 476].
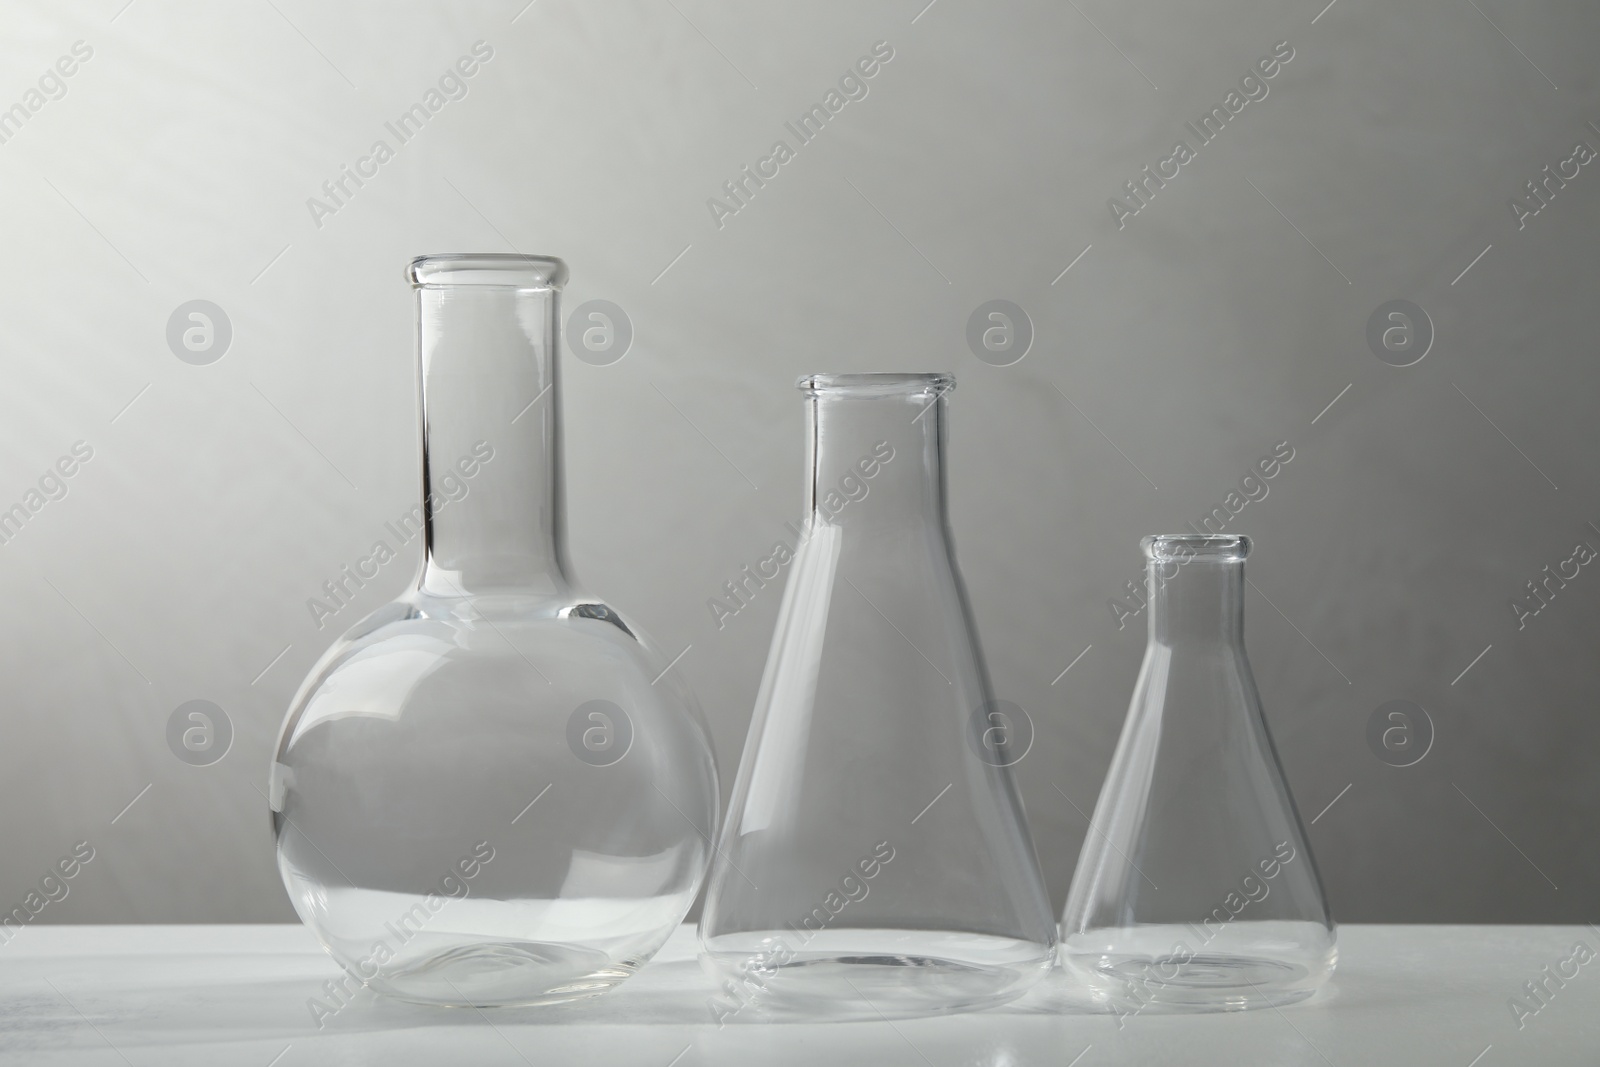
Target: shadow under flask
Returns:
[1196, 889]
[488, 792]
[875, 859]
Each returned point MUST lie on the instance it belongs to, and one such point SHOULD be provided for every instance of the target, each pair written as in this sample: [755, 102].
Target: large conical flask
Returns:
[492, 790]
[1196, 889]
[875, 858]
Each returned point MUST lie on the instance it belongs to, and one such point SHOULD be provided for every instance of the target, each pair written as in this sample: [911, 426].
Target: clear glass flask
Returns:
[1196, 889]
[491, 791]
[875, 859]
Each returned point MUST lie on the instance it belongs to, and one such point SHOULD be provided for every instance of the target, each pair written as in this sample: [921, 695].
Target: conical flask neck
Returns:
[492, 480]
[876, 450]
[1196, 593]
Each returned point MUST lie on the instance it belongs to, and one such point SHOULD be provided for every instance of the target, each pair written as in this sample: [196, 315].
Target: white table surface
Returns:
[225, 995]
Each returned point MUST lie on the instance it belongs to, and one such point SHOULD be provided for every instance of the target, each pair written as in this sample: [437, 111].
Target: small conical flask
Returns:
[1196, 889]
[492, 790]
[875, 858]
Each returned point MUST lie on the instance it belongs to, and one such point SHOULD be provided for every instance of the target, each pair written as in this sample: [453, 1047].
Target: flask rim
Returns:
[877, 383]
[1185, 548]
[506, 270]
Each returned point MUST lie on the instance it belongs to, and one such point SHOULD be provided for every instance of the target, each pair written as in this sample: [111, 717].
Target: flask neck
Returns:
[1195, 602]
[877, 455]
[491, 425]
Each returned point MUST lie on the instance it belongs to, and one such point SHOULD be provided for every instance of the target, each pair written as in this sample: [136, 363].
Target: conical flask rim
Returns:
[1216, 548]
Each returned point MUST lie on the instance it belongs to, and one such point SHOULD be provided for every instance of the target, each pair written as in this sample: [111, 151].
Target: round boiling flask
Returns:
[492, 790]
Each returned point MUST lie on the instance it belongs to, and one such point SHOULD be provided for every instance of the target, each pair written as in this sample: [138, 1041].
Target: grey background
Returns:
[1223, 319]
